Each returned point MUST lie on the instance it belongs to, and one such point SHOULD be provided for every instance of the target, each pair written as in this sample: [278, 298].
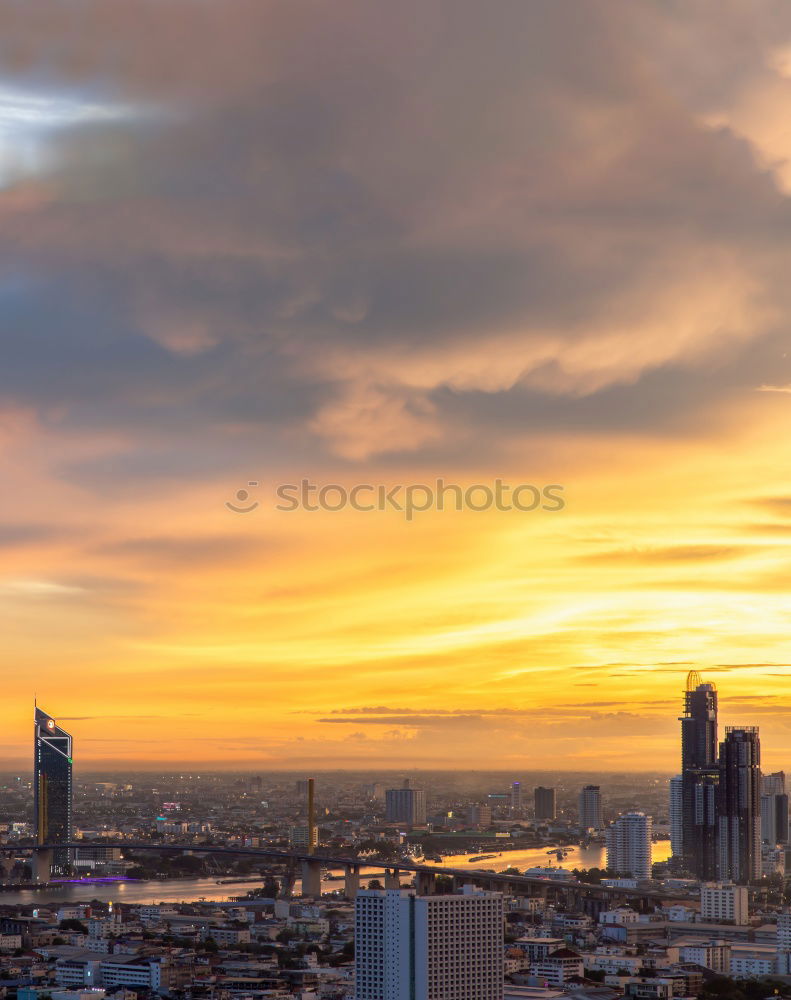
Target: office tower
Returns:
[500, 802]
[724, 902]
[739, 806]
[516, 798]
[410, 947]
[774, 809]
[375, 791]
[782, 817]
[629, 845]
[405, 805]
[544, 802]
[52, 790]
[479, 815]
[699, 777]
[676, 816]
[590, 808]
[304, 839]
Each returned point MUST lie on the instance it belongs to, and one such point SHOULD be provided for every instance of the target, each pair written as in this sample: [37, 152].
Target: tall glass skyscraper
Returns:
[52, 789]
[739, 805]
[677, 816]
[774, 809]
[699, 778]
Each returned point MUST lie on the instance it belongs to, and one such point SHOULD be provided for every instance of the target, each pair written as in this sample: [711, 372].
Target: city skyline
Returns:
[380, 245]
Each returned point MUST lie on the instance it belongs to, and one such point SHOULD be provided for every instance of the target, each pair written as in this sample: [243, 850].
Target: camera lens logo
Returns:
[243, 496]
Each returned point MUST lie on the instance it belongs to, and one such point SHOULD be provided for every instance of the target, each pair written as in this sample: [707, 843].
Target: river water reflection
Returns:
[195, 889]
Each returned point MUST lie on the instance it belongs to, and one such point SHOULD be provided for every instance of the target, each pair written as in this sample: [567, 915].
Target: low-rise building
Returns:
[714, 955]
[752, 966]
[559, 967]
[724, 901]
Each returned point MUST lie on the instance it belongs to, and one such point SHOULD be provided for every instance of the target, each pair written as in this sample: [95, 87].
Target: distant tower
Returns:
[52, 788]
[312, 830]
[739, 806]
[676, 816]
[516, 799]
[405, 805]
[774, 809]
[629, 845]
[544, 802]
[699, 777]
[590, 808]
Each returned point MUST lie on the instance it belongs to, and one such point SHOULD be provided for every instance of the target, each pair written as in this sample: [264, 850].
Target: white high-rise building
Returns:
[590, 808]
[410, 947]
[629, 845]
[676, 816]
[516, 798]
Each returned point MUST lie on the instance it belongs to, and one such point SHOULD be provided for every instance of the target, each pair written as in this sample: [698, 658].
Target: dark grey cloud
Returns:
[367, 229]
[13, 535]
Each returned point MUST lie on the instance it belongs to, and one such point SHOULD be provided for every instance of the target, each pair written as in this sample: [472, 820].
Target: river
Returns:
[192, 890]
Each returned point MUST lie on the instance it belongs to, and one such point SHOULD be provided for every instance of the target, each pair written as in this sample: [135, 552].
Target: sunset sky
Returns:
[541, 241]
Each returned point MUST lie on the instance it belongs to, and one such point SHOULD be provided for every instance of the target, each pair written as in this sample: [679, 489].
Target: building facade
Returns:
[676, 812]
[699, 778]
[739, 806]
[629, 845]
[724, 902]
[410, 947]
[590, 811]
[406, 805]
[516, 798]
[774, 809]
[52, 787]
[545, 804]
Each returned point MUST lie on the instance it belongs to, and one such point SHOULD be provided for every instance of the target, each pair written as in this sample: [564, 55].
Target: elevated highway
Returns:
[583, 896]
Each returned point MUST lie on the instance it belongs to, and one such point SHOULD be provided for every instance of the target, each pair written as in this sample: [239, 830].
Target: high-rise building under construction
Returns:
[699, 778]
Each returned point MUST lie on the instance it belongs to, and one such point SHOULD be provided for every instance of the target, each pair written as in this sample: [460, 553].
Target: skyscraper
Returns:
[774, 809]
[629, 845]
[676, 817]
[52, 790]
[410, 947]
[405, 805]
[739, 806]
[544, 801]
[516, 798]
[590, 808]
[699, 777]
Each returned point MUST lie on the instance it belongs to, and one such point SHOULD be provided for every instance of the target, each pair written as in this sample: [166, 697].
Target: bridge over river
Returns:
[583, 896]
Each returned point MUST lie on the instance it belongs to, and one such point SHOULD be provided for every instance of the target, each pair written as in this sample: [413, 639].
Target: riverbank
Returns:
[196, 890]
